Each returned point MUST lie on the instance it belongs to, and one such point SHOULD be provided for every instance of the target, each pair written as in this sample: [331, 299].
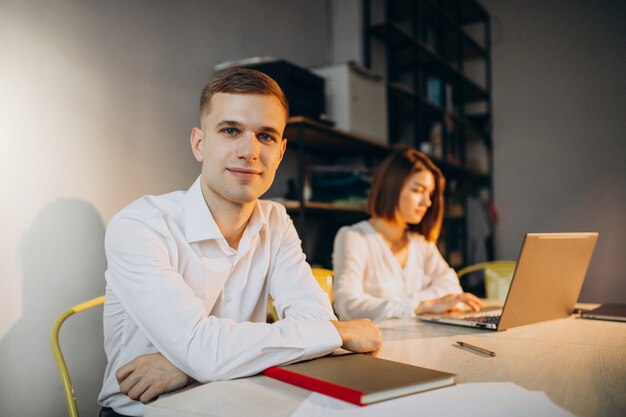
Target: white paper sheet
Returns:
[486, 399]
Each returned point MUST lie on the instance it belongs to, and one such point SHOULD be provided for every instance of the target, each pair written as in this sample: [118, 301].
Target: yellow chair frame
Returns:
[485, 265]
[496, 266]
[68, 389]
[324, 278]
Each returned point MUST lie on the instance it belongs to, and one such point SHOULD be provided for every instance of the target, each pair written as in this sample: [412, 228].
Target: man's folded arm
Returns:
[177, 322]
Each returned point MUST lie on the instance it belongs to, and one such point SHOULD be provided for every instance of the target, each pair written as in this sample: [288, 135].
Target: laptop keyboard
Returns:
[484, 319]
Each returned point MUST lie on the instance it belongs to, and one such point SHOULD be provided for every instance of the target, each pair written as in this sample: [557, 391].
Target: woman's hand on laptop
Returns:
[448, 302]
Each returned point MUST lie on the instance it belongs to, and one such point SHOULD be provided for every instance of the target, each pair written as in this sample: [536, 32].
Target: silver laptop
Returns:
[546, 283]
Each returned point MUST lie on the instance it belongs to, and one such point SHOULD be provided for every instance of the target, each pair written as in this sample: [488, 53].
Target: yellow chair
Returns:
[68, 389]
[497, 275]
[324, 278]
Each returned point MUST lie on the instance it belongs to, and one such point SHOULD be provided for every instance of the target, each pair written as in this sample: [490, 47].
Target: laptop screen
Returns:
[548, 277]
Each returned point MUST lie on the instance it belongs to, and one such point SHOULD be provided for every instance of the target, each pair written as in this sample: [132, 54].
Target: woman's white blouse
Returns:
[370, 283]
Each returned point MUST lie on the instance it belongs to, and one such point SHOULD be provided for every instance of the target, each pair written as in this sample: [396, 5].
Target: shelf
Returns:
[452, 32]
[431, 48]
[471, 48]
[444, 16]
[467, 91]
[455, 12]
[407, 52]
[321, 137]
[469, 11]
[455, 170]
[397, 36]
[293, 206]
[410, 102]
[459, 12]
[472, 129]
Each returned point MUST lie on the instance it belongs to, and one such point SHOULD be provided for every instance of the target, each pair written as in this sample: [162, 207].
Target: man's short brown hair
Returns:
[389, 179]
[241, 81]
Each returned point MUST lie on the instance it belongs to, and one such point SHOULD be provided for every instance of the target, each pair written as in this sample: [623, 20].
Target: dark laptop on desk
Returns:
[546, 283]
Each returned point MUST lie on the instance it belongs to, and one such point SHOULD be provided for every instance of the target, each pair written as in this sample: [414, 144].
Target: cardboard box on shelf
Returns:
[356, 100]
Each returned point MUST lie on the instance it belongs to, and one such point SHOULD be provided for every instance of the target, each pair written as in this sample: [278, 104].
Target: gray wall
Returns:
[560, 128]
[98, 99]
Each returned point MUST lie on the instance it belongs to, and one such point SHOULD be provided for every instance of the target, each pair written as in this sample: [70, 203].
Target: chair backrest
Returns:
[485, 265]
[324, 278]
[497, 275]
[68, 389]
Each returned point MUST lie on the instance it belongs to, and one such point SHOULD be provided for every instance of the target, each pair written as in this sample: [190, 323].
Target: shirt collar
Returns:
[200, 224]
[258, 220]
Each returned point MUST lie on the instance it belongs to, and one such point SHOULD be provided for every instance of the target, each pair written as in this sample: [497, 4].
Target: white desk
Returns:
[580, 364]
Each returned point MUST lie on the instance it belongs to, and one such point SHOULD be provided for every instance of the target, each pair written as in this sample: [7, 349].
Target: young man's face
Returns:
[240, 145]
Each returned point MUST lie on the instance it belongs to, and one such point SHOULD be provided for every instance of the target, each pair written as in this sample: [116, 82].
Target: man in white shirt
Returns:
[189, 273]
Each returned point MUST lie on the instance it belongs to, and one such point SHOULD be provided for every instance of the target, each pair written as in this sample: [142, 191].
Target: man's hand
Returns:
[447, 302]
[361, 336]
[148, 376]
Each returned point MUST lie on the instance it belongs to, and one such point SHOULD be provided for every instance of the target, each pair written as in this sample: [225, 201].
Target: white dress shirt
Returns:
[175, 286]
[369, 281]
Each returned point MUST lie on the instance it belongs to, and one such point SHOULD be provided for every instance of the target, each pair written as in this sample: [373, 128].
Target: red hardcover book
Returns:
[360, 379]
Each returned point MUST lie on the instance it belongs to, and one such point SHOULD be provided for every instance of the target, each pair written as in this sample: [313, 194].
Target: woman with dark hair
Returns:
[389, 265]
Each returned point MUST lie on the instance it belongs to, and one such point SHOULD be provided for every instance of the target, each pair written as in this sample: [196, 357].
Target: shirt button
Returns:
[228, 299]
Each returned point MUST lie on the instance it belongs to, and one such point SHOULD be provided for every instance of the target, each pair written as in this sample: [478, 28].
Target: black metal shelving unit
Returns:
[310, 138]
[414, 42]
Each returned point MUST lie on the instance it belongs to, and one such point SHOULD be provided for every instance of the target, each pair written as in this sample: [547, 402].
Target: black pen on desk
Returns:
[476, 348]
